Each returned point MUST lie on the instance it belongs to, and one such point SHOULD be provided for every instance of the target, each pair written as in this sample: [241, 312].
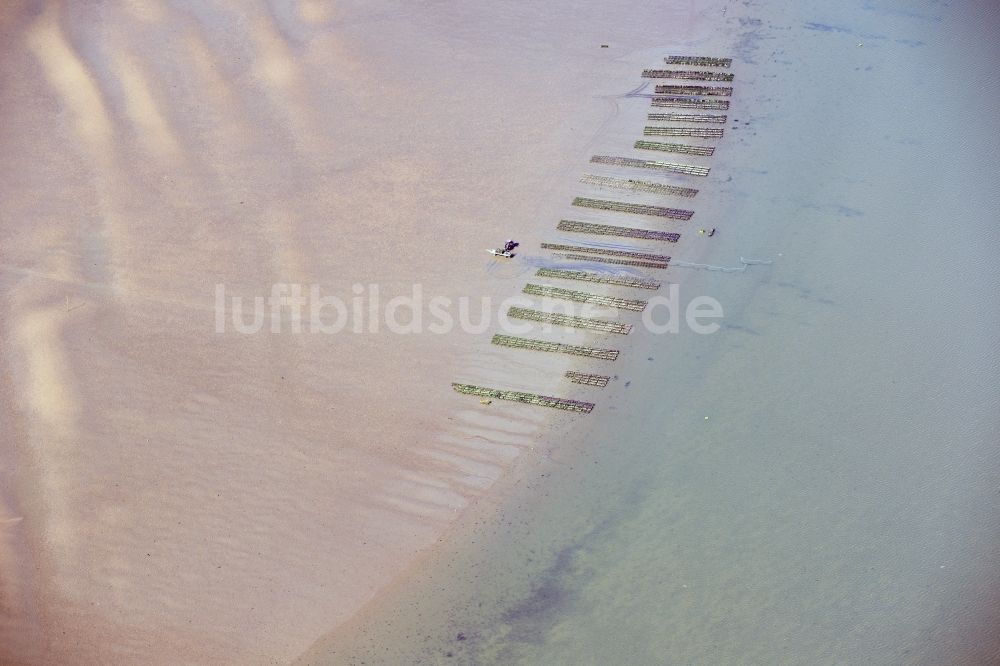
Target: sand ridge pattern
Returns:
[175, 495]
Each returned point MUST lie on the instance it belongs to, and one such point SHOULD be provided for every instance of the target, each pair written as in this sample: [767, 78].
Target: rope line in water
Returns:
[725, 269]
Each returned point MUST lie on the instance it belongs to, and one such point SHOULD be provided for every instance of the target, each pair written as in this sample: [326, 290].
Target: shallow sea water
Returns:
[840, 502]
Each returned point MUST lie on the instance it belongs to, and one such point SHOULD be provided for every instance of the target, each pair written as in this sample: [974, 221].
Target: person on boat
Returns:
[509, 245]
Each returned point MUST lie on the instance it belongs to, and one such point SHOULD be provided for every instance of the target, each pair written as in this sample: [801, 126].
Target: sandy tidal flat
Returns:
[171, 494]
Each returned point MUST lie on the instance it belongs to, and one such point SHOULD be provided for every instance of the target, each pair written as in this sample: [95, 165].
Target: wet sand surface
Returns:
[171, 494]
[816, 483]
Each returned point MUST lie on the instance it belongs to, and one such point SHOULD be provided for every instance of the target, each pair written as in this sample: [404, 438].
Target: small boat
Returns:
[500, 252]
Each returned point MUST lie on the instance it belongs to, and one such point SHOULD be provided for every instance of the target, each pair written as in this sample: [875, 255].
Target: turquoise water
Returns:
[840, 503]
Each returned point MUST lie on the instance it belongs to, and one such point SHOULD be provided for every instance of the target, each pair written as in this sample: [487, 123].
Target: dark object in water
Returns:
[691, 103]
[689, 169]
[686, 74]
[722, 91]
[627, 254]
[698, 61]
[584, 297]
[544, 345]
[609, 230]
[675, 147]
[570, 321]
[599, 381]
[620, 262]
[688, 118]
[639, 185]
[527, 398]
[599, 278]
[638, 209]
[701, 132]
